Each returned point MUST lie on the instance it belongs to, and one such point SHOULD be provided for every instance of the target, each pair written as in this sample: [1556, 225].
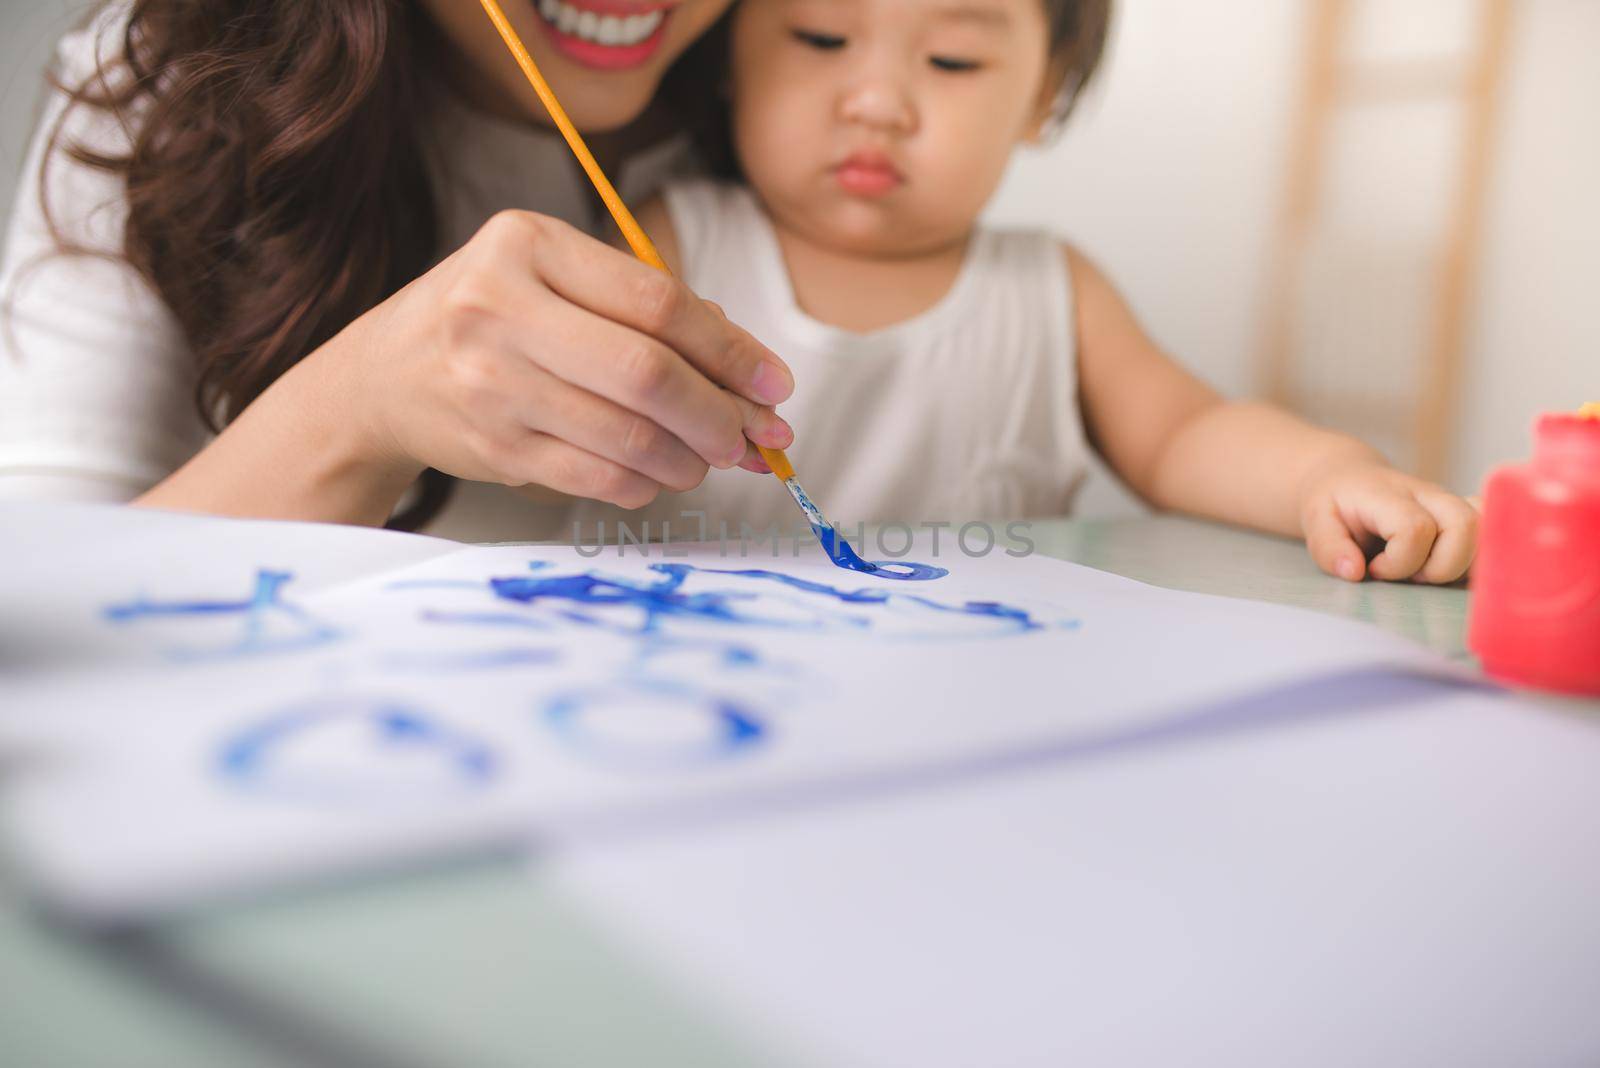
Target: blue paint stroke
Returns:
[878, 595]
[260, 757]
[657, 600]
[436, 662]
[641, 687]
[842, 555]
[735, 730]
[864, 595]
[991, 609]
[264, 604]
[666, 599]
[483, 619]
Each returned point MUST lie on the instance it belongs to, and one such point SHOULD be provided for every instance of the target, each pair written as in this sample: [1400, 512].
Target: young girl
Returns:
[342, 228]
[949, 372]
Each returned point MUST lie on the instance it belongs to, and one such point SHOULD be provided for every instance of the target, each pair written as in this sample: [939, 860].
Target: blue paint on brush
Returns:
[840, 552]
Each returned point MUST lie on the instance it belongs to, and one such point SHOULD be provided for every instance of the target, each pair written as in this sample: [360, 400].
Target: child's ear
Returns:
[1038, 125]
[1056, 89]
[1040, 122]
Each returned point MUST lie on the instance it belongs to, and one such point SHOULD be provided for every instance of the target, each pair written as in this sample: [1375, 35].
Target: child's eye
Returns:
[822, 42]
[953, 64]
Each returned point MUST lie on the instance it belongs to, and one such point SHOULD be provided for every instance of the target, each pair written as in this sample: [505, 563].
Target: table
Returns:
[481, 964]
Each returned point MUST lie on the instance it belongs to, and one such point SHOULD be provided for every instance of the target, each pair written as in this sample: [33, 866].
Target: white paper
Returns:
[199, 707]
[1411, 883]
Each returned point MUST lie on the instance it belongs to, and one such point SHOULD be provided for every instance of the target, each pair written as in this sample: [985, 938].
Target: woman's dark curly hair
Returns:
[275, 180]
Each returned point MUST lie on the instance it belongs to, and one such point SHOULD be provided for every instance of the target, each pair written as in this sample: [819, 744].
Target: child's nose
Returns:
[879, 103]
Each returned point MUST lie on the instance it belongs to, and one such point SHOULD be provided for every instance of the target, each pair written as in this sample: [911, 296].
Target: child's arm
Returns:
[1181, 446]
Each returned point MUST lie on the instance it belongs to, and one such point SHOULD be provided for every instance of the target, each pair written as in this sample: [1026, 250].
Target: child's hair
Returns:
[1077, 40]
[274, 173]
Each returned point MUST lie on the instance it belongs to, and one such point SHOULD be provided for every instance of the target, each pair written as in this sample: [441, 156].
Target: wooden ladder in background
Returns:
[1332, 81]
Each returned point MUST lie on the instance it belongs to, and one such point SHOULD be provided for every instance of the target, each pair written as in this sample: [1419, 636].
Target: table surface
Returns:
[484, 963]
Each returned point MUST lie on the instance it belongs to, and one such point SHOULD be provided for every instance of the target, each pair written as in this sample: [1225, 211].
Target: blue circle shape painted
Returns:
[733, 730]
[351, 749]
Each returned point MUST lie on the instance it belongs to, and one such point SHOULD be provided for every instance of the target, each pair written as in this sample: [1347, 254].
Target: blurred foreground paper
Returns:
[194, 707]
[1410, 884]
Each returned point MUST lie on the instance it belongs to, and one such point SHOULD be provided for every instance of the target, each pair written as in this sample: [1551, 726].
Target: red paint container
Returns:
[1535, 613]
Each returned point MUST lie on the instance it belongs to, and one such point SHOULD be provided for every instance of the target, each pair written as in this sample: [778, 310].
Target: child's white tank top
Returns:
[966, 411]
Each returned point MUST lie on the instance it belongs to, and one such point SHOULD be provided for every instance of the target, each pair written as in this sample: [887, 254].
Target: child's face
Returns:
[604, 58]
[882, 127]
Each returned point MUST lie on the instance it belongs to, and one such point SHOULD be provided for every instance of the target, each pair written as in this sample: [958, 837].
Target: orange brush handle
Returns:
[632, 232]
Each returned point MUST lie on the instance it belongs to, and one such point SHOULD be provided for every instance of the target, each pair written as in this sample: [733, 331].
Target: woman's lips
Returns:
[868, 174]
[605, 34]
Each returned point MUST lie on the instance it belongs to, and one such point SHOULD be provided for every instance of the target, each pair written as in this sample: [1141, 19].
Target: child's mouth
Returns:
[868, 174]
[605, 34]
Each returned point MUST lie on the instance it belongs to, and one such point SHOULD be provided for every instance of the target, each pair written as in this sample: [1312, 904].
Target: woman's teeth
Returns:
[600, 29]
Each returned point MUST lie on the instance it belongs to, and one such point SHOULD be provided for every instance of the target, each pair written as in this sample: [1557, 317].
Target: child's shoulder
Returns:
[1033, 237]
[1039, 244]
[1038, 255]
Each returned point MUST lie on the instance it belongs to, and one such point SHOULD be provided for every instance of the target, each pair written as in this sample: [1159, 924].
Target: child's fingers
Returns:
[1331, 544]
[1457, 542]
[1408, 531]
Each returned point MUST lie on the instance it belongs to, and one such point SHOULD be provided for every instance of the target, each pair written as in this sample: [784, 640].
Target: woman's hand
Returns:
[1351, 508]
[538, 355]
[533, 355]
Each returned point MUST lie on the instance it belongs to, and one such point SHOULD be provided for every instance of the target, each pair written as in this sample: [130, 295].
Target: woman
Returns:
[342, 231]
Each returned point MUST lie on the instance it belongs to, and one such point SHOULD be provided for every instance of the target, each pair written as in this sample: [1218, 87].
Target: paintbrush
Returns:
[837, 548]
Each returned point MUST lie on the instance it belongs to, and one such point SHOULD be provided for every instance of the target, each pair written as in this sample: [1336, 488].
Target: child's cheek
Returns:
[780, 131]
[961, 158]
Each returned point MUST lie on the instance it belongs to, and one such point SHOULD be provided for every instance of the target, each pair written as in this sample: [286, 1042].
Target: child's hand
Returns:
[1427, 534]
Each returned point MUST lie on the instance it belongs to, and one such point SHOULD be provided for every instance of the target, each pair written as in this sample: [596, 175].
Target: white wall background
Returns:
[1536, 345]
[28, 32]
[1172, 172]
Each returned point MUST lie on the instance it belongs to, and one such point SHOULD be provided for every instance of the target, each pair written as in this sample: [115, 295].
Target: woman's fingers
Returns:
[607, 430]
[762, 425]
[575, 367]
[618, 287]
[1331, 544]
[753, 461]
[636, 372]
[515, 394]
[1457, 541]
[549, 461]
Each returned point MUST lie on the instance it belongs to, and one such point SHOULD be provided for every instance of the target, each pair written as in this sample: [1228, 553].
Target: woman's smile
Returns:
[605, 34]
